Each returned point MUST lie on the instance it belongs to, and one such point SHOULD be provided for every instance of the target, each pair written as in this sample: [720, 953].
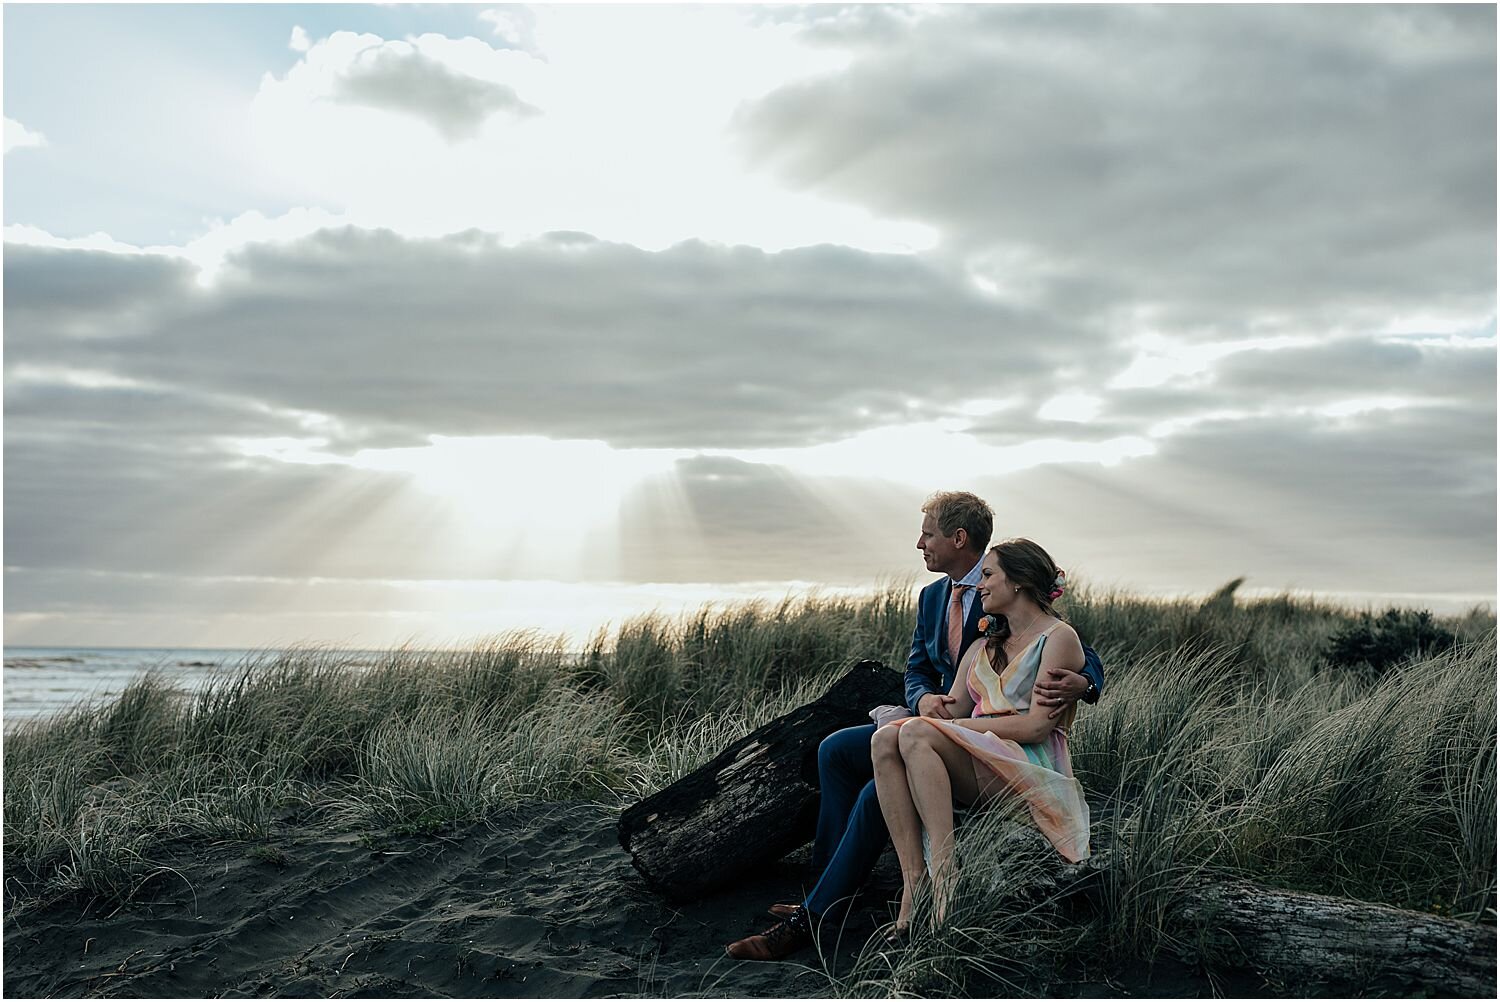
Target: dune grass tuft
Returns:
[1228, 743]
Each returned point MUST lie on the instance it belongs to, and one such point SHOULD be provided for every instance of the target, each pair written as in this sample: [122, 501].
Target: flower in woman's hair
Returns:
[990, 625]
[1058, 585]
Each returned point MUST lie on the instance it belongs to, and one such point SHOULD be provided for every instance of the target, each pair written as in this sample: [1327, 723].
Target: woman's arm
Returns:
[1062, 650]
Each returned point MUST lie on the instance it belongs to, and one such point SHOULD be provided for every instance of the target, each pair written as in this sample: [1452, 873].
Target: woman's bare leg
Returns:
[939, 775]
[990, 786]
[900, 815]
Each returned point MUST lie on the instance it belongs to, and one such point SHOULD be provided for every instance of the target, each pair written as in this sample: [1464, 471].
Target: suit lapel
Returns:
[971, 622]
[942, 596]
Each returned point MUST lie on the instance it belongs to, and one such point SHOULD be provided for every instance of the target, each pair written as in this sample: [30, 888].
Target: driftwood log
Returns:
[1298, 939]
[756, 800]
[1305, 939]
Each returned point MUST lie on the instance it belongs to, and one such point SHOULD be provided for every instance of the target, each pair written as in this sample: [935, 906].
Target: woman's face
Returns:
[996, 593]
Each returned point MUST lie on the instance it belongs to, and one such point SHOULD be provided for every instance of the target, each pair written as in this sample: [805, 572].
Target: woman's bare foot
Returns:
[941, 889]
[909, 890]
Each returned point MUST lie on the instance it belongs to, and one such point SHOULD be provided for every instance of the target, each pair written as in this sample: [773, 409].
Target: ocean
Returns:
[43, 680]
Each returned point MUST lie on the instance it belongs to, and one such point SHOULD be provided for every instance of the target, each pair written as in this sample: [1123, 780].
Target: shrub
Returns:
[1373, 644]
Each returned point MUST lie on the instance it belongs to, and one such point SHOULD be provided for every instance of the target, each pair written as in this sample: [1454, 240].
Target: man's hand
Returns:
[935, 704]
[1060, 688]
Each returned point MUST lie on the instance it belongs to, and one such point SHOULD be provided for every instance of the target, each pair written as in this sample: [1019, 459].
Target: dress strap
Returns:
[1038, 639]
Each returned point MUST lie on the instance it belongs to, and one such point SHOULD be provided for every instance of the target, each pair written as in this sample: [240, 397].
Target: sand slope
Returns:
[536, 901]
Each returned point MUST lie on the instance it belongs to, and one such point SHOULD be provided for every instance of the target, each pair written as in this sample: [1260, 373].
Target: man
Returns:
[956, 528]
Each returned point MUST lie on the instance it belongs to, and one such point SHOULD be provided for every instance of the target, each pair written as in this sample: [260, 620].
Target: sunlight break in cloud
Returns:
[547, 505]
[1161, 360]
[611, 126]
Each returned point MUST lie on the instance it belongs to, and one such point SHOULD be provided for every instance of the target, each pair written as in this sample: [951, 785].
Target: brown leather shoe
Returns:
[781, 940]
[782, 911]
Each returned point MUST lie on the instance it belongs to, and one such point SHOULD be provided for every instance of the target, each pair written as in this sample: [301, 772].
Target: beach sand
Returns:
[536, 901]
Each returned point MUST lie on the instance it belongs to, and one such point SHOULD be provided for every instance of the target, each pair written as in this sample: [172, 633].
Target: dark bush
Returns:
[1375, 643]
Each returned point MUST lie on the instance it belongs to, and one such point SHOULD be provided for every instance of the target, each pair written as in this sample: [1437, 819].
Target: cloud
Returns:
[515, 25]
[1399, 502]
[453, 86]
[694, 347]
[145, 415]
[1349, 367]
[1207, 172]
[398, 77]
[1244, 255]
[82, 293]
[1368, 503]
[622, 149]
[698, 347]
[17, 136]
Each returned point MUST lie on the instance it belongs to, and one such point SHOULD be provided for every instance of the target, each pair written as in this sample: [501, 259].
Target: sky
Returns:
[365, 325]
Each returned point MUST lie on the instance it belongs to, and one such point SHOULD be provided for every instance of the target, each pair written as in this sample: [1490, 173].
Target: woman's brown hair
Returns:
[1031, 569]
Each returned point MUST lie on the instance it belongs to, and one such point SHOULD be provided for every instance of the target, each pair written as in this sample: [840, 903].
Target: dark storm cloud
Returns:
[52, 292]
[355, 339]
[361, 339]
[1264, 383]
[1399, 502]
[1361, 367]
[399, 78]
[168, 419]
[696, 347]
[1207, 165]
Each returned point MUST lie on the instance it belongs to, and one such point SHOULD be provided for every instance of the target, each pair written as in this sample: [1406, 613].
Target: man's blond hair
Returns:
[954, 510]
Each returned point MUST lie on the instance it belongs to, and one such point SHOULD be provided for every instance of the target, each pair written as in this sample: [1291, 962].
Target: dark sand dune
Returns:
[537, 901]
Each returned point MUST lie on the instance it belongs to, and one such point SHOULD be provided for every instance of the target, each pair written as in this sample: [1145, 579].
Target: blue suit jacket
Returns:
[930, 667]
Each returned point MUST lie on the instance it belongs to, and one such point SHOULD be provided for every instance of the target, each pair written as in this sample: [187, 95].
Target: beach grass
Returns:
[1230, 742]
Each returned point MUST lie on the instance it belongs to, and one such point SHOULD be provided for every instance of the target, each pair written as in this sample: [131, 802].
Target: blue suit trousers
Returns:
[851, 829]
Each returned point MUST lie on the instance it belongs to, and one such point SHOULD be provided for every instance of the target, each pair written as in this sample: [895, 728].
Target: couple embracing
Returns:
[992, 685]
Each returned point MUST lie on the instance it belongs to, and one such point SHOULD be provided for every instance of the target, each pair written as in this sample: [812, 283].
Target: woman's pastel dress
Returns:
[1041, 773]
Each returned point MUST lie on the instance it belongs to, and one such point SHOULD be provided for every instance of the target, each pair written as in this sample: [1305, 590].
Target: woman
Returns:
[994, 747]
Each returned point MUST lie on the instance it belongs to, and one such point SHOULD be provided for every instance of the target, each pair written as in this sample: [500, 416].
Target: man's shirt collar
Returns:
[971, 578]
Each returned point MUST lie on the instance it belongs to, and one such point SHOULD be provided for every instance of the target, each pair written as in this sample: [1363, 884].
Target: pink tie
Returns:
[956, 621]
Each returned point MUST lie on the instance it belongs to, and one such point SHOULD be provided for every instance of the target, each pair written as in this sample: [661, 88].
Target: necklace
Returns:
[1029, 624]
[999, 657]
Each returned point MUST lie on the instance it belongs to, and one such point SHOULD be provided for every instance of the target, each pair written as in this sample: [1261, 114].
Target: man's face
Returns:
[941, 553]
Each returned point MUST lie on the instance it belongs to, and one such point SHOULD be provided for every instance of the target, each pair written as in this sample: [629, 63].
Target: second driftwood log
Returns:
[1310, 940]
[1302, 940]
[756, 800]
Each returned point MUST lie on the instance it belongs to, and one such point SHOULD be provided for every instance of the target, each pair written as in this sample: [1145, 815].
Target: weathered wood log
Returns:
[756, 800]
[1299, 939]
[1310, 939]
